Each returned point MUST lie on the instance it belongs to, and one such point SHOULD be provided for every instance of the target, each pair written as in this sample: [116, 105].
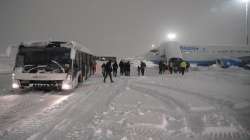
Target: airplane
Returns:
[201, 55]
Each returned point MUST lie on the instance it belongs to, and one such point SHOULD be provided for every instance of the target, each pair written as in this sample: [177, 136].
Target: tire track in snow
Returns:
[38, 122]
[181, 108]
[208, 99]
[86, 110]
[23, 106]
[59, 122]
[220, 105]
[163, 97]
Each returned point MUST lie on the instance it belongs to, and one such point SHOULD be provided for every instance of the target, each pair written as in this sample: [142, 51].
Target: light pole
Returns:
[246, 18]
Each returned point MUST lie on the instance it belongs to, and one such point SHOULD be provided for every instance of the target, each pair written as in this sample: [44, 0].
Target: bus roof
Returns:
[67, 44]
[80, 47]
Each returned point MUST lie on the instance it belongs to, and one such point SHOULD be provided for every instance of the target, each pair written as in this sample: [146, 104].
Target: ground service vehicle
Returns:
[55, 64]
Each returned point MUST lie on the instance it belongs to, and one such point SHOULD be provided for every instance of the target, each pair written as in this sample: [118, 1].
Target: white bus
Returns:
[60, 65]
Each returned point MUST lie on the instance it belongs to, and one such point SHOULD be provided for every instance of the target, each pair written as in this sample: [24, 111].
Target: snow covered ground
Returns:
[210, 103]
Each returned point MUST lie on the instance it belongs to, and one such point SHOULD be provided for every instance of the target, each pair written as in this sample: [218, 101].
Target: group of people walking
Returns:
[109, 68]
[141, 68]
[124, 68]
[174, 66]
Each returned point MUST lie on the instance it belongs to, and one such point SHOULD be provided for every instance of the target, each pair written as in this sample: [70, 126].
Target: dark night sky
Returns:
[122, 27]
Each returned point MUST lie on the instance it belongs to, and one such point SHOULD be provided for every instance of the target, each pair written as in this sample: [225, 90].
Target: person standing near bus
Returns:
[108, 71]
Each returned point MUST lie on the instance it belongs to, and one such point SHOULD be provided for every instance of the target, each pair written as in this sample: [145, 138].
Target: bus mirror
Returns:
[72, 54]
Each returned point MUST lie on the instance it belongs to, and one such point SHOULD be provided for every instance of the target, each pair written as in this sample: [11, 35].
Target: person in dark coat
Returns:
[188, 66]
[143, 66]
[164, 67]
[121, 65]
[176, 66]
[161, 67]
[128, 68]
[170, 67]
[115, 67]
[139, 70]
[103, 70]
[108, 71]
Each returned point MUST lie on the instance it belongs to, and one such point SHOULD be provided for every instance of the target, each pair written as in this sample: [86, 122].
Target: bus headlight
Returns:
[66, 86]
[15, 85]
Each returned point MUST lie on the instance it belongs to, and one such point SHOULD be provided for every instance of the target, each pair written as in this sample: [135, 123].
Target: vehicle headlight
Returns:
[15, 85]
[66, 86]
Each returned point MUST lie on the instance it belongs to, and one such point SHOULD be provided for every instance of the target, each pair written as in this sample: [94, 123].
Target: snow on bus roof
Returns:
[35, 44]
[68, 44]
[80, 47]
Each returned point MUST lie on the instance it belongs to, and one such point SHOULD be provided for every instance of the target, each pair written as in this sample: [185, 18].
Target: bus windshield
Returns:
[55, 57]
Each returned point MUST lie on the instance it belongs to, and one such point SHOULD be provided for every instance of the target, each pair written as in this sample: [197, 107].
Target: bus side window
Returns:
[77, 63]
[83, 64]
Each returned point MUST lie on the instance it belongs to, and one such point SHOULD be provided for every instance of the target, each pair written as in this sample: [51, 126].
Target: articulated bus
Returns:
[60, 65]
